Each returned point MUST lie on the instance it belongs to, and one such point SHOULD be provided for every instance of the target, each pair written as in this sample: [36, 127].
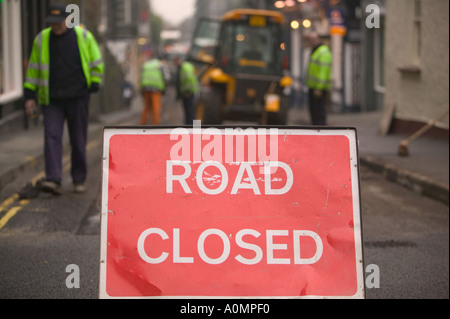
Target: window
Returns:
[11, 76]
[379, 57]
[205, 41]
[1, 50]
[254, 50]
[128, 12]
[417, 32]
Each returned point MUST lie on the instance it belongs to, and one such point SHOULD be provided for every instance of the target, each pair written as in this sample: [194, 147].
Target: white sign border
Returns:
[350, 133]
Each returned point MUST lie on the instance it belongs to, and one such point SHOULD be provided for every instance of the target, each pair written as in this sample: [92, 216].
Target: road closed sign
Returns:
[231, 212]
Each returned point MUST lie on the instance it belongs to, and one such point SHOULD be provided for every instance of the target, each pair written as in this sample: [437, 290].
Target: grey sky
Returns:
[173, 11]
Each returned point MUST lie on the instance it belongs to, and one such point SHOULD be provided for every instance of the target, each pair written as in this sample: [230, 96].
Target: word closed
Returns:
[270, 247]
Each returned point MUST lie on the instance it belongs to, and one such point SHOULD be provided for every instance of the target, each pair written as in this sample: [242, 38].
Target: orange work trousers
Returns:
[152, 104]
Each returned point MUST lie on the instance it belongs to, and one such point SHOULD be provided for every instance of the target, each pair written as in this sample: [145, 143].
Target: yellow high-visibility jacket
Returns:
[152, 75]
[319, 70]
[188, 79]
[38, 71]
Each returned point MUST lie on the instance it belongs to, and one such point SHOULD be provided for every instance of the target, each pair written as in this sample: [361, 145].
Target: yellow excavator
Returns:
[243, 68]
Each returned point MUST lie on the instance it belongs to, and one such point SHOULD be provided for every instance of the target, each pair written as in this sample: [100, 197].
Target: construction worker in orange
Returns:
[153, 87]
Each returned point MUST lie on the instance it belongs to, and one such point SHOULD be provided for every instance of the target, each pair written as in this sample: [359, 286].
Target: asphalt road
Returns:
[404, 234]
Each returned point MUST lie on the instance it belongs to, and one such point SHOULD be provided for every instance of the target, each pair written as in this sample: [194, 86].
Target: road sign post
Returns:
[229, 212]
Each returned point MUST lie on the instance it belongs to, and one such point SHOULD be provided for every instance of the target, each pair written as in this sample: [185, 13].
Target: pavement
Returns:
[425, 170]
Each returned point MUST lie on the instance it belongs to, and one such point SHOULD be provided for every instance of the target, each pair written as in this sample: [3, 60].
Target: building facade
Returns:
[416, 64]
[22, 20]
[373, 87]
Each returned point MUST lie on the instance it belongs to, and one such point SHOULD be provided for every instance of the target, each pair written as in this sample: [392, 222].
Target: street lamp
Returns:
[295, 24]
[142, 41]
[290, 3]
[306, 24]
[279, 4]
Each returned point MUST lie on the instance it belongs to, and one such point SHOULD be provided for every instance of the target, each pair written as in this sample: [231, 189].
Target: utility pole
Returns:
[257, 4]
[262, 4]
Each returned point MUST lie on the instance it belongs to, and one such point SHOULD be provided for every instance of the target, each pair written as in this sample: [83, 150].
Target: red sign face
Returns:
[222, 213]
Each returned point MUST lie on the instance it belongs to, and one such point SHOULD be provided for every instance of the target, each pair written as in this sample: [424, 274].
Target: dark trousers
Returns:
[189, 109]
[317, 108]
[76, 112]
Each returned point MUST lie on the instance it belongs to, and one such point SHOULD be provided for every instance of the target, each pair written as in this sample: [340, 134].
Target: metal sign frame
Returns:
[286, 131]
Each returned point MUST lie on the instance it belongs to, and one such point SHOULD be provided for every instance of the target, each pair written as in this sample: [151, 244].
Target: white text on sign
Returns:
[245, 169]
[271, 247]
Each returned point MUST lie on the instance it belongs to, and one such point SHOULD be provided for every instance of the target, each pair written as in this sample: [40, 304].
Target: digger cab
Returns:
[243, 67]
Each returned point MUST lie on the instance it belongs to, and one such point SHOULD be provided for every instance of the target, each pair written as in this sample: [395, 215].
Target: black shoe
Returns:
[29, 191]
[79, 188]
[51, 187]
